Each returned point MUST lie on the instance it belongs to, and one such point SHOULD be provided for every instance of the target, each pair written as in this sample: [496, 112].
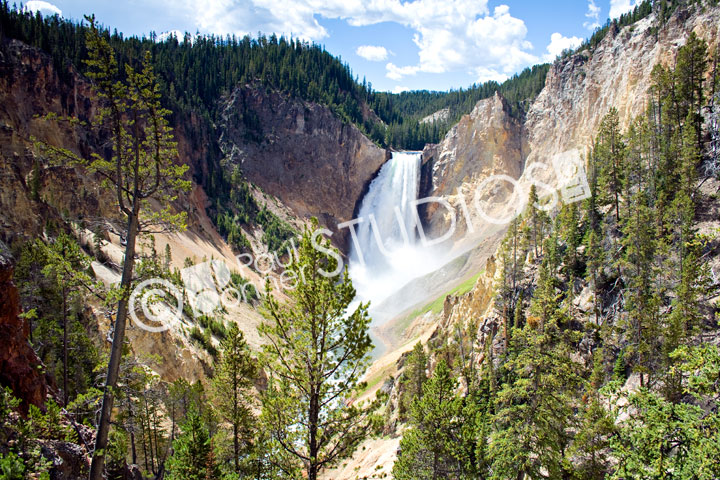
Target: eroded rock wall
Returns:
[299, 152]
[20, 367]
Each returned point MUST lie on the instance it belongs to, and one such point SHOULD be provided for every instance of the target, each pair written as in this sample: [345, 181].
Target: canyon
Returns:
[302, 160]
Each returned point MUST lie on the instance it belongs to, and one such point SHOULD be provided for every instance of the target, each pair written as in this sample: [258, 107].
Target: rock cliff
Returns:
[300, 152]
[579, 90]
[488, 141]
[20, 367]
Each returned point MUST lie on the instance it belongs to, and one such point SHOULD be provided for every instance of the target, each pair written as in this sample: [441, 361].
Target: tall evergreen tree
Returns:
[140, 167]
[610, 151]
[433, 447]
[66, 267]
[413, 378]
[637, 265]
[537, 219]
[193, 455]
[690, 69]
[535, 413]
[315, 355]
[232, 382]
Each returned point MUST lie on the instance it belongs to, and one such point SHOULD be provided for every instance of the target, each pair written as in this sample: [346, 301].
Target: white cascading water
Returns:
[390, 253]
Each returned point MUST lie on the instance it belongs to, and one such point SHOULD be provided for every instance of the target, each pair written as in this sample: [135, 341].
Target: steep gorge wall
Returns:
[579, 91]
[20, 367]
[299, 152]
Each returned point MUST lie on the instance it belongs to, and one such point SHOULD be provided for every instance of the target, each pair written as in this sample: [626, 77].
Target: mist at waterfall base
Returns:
[388, 253]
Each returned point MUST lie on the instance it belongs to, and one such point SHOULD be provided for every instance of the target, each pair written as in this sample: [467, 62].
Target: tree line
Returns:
[195, 71]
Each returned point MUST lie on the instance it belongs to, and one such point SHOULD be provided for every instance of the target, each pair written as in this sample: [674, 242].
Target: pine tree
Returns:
[691, 275]
[413, 378]
[168, 258]
[591, 445]
[66, 266]
[637, 265]
[141, 167]
[433, 448]
[193, 455]
[595, 262]
[665, 439]
[610, 151]
[545, 302]
[690, 68]
[571, 236]
[315, 355]
[535, 412]
[233, 380]
[537, 220]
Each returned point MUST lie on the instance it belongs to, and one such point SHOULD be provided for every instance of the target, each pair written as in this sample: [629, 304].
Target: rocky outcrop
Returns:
[440, 116]
[31, 87]
[488, 141]
[300, 152]
[20, 367]
[580, 90]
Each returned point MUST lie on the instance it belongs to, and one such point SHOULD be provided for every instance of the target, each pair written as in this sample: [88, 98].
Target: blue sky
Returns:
[395, 44]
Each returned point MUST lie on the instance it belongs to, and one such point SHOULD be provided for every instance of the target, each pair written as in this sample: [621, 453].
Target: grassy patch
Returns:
[436, 305]
[373, 381]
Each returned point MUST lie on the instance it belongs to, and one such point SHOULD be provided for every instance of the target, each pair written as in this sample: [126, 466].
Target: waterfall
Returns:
[388, 254]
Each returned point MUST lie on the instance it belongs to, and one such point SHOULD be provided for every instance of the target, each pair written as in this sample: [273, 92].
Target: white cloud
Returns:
[46, 8]
[372, 53]
[242, 17]
[396, 73]
[451, 35]
[618, 7]
[484, 74]
[558, 44]
[400, 89]
[593, 14]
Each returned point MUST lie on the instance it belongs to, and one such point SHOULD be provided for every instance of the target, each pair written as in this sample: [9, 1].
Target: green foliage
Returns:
[591, 445]
[11, 467]
[402, 112]
[315, 354]
[48, 425]
[232, 385]
[204, 339]
[117, 454]
[610, 150]
[638, 13]
[275, 231]
[661, 438]
[236, 206]
[53, 286]
[413, 379]
[535, 413]
[434, 445]
[193, 455]
[21, 454]
[214, 325]
[248, 291]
